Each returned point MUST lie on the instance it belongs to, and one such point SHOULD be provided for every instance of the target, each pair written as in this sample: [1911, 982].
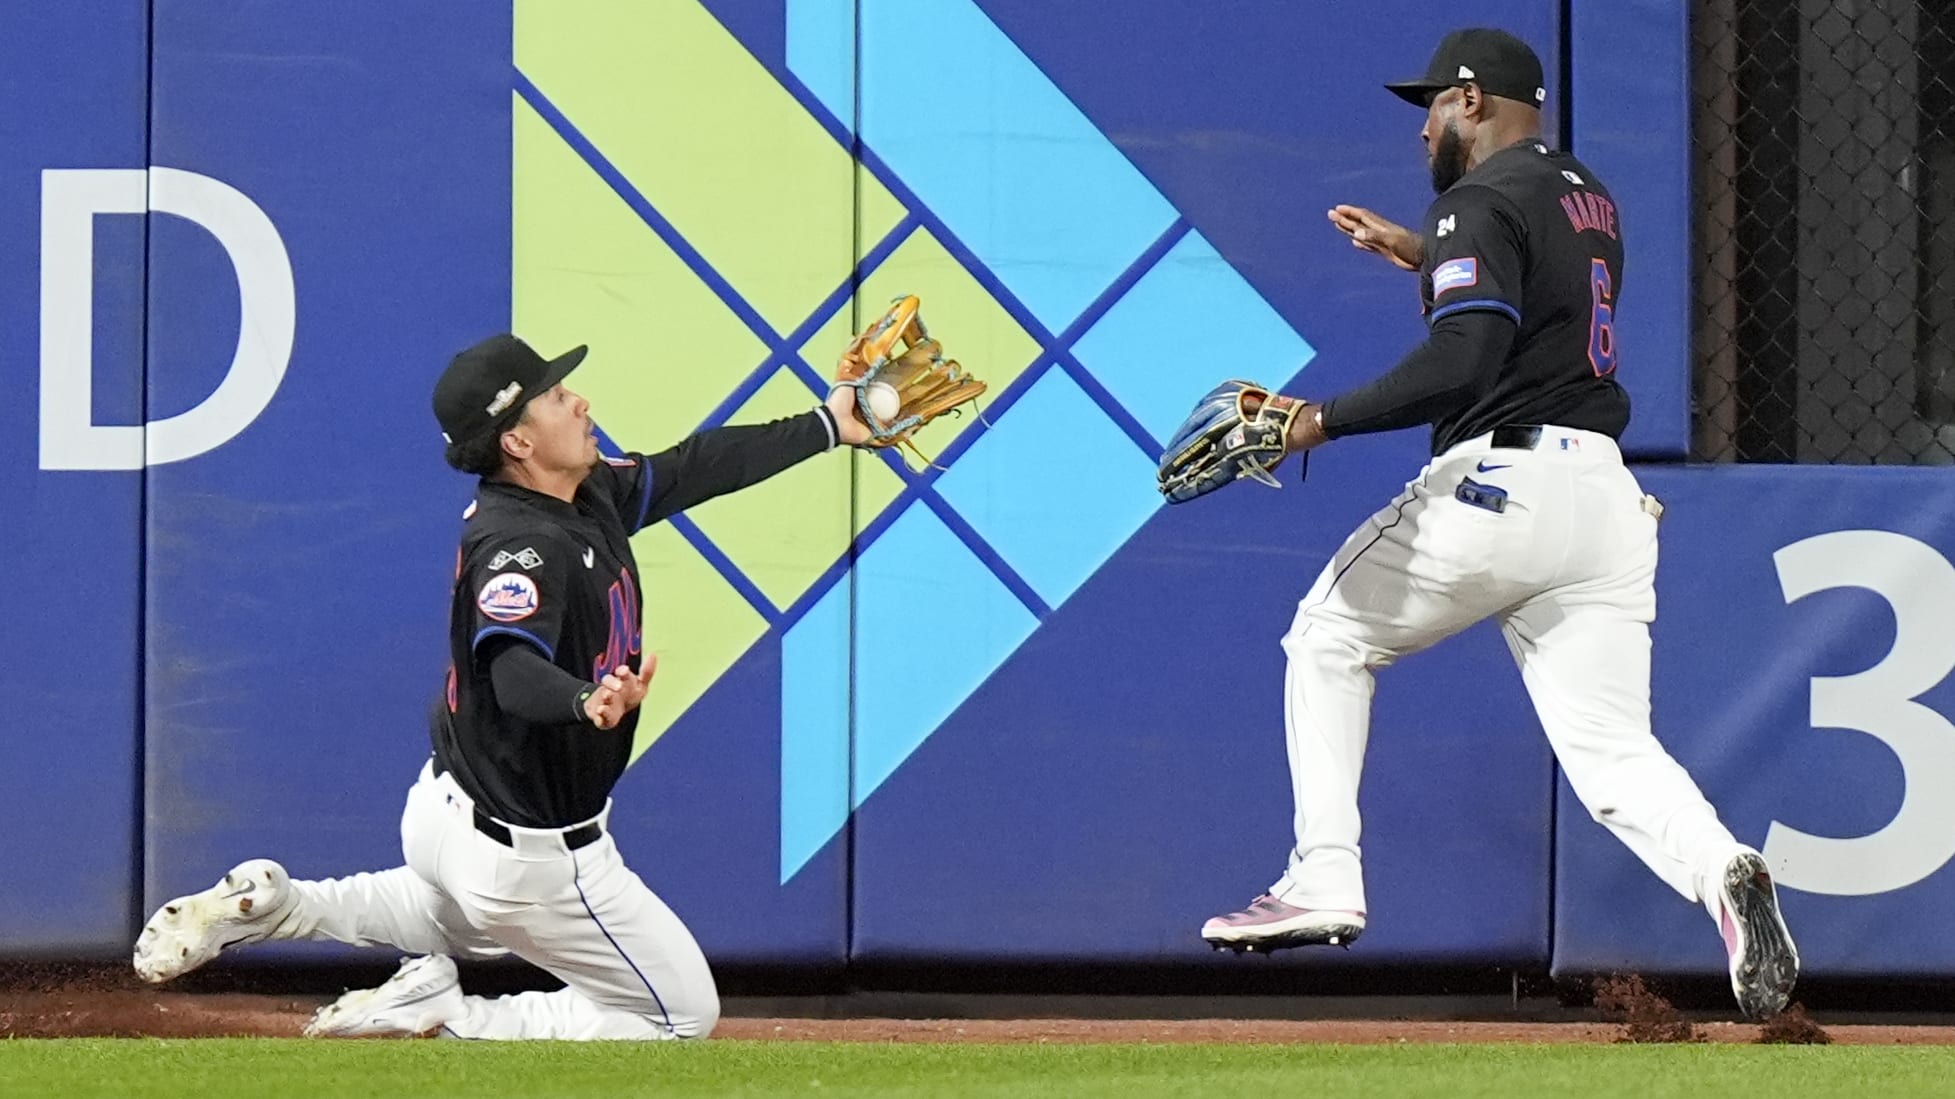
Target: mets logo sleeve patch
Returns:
[520, 585]
[507, 597]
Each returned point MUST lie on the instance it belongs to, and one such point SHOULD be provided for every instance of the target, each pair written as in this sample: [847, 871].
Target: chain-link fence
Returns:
[1825, 239]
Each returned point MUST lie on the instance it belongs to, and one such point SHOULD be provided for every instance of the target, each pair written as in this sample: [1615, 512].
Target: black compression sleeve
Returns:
[726, 459]
[1460, 358]
[531, 688]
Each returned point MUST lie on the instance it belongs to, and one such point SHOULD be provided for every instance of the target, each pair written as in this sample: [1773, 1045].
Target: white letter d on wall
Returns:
[70, 200]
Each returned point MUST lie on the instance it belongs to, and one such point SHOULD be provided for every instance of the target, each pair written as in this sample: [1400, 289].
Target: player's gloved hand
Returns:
[897, 379]
[1238, 430]
[619, 693]
[1379, 236]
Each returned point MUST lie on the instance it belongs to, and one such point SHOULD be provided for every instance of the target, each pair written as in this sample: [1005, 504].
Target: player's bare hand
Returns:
[619, 693]
[1379, 236]
[849, 427]
[630, 686]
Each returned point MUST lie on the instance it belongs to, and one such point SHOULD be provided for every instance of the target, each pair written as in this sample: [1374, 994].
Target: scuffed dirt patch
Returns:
[1793, 1027]
[83, 1001]
[1643, 1015]
[149, 1014]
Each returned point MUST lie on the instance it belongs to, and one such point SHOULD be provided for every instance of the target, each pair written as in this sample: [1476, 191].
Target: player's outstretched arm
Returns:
[728, 459]
[1460, 357]
[723, 460]
[1379, 236]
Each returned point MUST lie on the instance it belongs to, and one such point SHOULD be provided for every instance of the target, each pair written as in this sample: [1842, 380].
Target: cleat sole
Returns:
[1342, 935]
[1763, 978]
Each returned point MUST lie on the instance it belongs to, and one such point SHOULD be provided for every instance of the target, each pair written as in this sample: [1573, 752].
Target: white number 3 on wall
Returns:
[1919, 584]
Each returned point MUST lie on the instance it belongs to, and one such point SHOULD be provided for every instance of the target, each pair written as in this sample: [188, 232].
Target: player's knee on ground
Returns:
[706, 1016]
[693, 1017]
[679, 1006]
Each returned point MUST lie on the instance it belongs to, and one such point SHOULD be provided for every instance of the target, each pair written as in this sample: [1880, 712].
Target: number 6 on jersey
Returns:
[1602, 319]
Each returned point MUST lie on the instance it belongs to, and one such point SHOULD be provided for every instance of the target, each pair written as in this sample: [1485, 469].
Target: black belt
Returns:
[1517, 437]
[573, 838]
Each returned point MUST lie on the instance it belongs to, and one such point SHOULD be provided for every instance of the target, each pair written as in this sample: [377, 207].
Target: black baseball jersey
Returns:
[1532, 237]
[560, 575]
[1531, 233]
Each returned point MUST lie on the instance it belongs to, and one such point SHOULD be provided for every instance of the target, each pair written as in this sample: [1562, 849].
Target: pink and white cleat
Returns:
[1764, 961]
[1269, 924]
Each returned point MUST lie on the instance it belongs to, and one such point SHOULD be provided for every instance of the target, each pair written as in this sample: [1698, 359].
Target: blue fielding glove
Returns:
[1238, 430]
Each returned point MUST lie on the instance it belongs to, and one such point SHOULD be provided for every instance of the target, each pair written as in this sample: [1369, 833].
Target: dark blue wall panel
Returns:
[75, 91]
[1630, 103]
[299, 574]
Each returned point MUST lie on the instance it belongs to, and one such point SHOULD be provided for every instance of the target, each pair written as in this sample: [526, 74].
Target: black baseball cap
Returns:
[490, 382]
[1498, 62]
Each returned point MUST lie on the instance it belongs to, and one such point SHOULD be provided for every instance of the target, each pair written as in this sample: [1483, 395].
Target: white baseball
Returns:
[884, 403]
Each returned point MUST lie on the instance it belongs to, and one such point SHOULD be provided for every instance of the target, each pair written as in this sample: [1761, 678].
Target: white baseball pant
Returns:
[631, 968]
[1568, 569]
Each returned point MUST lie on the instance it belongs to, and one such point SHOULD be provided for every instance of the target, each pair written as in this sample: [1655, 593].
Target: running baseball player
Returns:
[1526, 514]
[505, 833]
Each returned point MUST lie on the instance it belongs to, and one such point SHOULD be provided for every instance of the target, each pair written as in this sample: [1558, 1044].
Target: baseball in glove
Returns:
[1238, 430]
[901, 378]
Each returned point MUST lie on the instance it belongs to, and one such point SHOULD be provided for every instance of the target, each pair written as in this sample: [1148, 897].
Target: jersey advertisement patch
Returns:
[1455, 274]
[508, 597]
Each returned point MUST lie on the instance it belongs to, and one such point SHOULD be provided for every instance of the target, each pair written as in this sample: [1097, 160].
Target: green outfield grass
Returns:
[280, 1069]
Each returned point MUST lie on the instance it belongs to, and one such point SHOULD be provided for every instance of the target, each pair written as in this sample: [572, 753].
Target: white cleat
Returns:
[243, 907]
[423, 994]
